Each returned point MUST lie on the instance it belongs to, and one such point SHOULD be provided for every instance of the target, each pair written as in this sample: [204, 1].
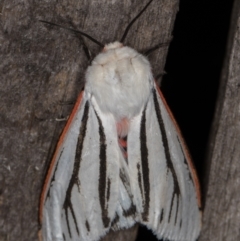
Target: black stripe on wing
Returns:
[115, 221]
[176, 188]
[140, 179]
[145, 167]
[131, 211]
[87, 226]
[74, 178]
[104, 182]
[185, 160]
[53, 176]
[161, 216]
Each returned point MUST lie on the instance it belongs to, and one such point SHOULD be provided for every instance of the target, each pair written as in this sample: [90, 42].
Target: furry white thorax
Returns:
[120, 79]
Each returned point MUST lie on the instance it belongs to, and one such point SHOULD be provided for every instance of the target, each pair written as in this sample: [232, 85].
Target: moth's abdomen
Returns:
[121, 80]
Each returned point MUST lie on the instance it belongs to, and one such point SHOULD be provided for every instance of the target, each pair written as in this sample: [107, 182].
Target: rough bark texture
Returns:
[42, 71]
[222, 197]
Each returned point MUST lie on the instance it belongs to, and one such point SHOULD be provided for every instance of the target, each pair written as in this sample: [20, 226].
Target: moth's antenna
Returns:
[75, 31]
[132, 22]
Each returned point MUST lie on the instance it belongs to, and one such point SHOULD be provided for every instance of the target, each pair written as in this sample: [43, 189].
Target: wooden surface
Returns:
[42, 71]
[221, 220]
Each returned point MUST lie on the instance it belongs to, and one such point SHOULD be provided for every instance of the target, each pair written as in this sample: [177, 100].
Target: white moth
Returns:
[120, 160]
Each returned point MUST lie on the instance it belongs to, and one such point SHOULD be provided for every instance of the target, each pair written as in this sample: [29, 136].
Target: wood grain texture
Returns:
[122, 235]
[222, 197]
[42, 71]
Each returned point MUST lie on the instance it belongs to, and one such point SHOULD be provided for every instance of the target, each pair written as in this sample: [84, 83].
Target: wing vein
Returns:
[102, 186]
[176, 188]
[145, 166]
[74, 178]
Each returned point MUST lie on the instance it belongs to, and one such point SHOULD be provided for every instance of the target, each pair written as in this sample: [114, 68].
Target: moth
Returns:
[121, 159]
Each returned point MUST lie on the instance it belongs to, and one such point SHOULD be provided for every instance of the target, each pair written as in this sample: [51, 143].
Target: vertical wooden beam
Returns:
[222, 185]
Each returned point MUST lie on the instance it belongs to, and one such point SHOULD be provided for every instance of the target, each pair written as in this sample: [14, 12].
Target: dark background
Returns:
[193, 67]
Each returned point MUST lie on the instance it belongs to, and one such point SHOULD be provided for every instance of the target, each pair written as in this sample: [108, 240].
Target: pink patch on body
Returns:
[122, 130]
[123, 127]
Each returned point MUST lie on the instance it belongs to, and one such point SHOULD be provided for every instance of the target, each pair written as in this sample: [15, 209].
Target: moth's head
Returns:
[115, 51]
[114, 45]
[120, 79]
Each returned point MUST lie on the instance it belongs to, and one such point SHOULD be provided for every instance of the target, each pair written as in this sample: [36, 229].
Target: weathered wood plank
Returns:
[42, 71]
[222, 197]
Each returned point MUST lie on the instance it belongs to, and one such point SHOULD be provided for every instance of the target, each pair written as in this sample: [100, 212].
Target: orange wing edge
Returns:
[185, 149]
[52, 164]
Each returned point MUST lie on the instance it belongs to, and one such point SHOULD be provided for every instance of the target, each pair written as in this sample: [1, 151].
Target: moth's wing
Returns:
[80, 196]
[163, 180]
[126, 211]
